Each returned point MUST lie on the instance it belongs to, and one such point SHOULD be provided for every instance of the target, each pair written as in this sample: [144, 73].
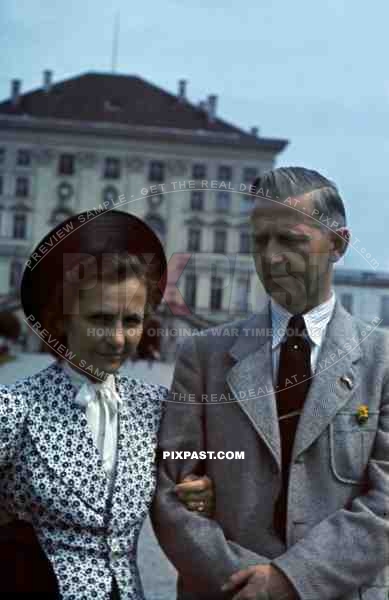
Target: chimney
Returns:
[182, 90]
[47, 80]
[212, 102]
[15, 91]
[254, 131]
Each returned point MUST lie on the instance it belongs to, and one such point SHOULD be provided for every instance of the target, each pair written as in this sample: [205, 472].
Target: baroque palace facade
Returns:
[118, 140]
[106, 140]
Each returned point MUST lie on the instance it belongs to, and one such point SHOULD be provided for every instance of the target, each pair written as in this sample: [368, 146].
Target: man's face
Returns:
[291, 253]
[108, 324]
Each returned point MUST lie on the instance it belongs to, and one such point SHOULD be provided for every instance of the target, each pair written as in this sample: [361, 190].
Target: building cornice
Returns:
[192, 136]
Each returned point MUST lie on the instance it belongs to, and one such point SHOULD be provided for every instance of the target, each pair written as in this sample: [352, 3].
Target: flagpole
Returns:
[115, 43]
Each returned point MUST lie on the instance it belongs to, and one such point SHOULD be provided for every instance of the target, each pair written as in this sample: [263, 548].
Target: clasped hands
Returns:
[259, 582]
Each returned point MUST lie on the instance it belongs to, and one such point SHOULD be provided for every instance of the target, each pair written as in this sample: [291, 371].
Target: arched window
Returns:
[110, 194]
[158, 225]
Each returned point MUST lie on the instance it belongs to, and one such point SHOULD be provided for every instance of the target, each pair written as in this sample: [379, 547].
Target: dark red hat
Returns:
[92, 233]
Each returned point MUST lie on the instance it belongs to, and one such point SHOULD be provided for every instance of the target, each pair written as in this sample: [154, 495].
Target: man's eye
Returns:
[259, 241]
[290, 239]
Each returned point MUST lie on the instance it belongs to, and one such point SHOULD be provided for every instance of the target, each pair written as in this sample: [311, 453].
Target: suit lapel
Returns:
[251, 380]
[62, 436]
[120, 508]
[129, 499]
[336, 379]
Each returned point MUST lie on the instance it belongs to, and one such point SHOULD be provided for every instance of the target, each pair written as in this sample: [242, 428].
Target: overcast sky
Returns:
[315, 73]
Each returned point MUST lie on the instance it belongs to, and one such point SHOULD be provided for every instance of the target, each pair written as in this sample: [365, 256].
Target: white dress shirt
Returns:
[316, 321]
[101, 402]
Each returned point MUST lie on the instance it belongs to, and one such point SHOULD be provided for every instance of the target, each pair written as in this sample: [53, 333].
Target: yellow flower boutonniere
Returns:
[362, 414]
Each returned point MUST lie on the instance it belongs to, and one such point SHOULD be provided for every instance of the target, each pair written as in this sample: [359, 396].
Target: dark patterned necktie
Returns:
[294, 377]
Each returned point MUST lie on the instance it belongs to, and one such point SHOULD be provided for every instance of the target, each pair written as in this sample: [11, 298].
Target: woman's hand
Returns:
[197, 494]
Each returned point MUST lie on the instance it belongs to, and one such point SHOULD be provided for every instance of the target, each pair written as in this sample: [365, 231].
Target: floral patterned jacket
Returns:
[51, 475]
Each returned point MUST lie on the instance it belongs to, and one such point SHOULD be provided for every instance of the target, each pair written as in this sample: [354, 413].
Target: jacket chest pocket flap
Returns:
[351, 444]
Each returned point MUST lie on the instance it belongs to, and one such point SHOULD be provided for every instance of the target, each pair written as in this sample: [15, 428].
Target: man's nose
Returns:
[273, 253]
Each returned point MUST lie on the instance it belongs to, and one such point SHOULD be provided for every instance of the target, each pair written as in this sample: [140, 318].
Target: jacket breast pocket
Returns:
[374, 593]
[351, 444]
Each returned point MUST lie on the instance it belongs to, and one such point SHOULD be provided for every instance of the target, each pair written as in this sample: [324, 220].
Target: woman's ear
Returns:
[59, 327]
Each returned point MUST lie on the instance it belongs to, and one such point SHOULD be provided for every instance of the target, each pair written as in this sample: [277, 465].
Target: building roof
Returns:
[128, 100]
[358, 278]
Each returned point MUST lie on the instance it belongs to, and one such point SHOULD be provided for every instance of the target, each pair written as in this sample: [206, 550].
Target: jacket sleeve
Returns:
[196, 545]
[349, 548]
[13, 412]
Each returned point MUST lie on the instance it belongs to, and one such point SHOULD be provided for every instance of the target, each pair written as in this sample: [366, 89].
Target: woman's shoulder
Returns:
[21, 392]
[147, 399]
[144, 389]
[14, 404]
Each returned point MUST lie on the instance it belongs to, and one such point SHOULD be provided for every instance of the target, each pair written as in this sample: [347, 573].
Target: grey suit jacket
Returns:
[222, 399]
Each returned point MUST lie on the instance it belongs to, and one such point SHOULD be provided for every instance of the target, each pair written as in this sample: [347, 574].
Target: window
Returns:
[224, 173]
[220, 241]
[197, 200]
[223, 200]
[249, 175]
[244, 242]
[158, 225]
[157, 171]
[194, 239]
[110, 194]
[243, 294]
[15, 274]
[112, 168]
[246, 204]
[20, 226]
[66, 164]
[190, 289]
[347, 301]
[23, 158]
[199, 171]
[22, 187]
[385, 311]
[216, 293]
[1, 184]
[2, 156]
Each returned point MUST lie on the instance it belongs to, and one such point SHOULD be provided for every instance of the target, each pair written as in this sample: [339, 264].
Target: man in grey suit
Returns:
[302, 388]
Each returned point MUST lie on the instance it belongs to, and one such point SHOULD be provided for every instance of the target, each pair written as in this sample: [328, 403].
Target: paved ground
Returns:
[157, 574]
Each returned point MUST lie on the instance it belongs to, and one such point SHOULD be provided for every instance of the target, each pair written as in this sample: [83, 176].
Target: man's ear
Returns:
[340, 241]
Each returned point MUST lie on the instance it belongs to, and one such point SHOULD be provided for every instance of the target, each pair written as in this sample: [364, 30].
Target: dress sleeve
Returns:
[13, 413]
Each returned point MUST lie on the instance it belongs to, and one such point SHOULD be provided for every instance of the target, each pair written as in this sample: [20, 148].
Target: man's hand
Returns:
[262, 582]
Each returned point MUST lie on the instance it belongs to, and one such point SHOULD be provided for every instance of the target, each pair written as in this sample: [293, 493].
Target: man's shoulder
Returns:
[230, 328]
[142, 387]
[223, 335]
[371, 336]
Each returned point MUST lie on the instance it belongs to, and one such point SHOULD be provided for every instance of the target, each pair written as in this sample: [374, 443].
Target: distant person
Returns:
[78, 439]
[302, 390]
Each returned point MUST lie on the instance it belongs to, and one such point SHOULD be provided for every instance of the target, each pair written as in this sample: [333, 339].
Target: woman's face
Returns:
[107, 325]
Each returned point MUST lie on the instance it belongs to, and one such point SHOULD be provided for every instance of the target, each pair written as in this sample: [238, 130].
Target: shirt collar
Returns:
[316, 320]
[78, 379]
